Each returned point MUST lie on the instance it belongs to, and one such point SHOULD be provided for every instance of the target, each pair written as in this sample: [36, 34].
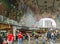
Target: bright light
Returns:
[43, 22]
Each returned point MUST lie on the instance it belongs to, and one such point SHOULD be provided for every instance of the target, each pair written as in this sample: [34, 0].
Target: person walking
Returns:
[43, 39]
[26, 38]
[48, 35]
[20, 36]
[10, 38]
[36, 36]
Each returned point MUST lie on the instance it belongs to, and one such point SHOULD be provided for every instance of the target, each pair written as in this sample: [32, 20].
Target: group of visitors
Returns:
[36, 36]
[10, 38]
[52, 36]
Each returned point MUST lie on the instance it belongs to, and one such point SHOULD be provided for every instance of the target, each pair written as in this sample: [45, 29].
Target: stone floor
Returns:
[33, 41]
[39, 42]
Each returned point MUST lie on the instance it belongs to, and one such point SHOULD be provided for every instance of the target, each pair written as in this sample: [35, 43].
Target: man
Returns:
[43, 39]
[52, 38]
[48, 35]
[36, 36]
[1, 40]
[20, 36]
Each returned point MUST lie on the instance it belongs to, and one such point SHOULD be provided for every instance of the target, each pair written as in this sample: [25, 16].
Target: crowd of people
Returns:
[50, 36]
[10, 38]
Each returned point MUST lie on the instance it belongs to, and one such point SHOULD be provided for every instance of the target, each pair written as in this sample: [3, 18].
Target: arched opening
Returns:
[47, 22]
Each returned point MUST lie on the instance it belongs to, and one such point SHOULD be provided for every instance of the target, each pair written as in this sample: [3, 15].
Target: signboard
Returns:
[3, 26]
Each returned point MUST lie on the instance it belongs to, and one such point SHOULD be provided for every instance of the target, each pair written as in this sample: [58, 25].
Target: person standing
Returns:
[48, 35]
[43, 39]
[26, 38]
[10, 38]
[52, 38]
[36, 36]
[20, 36]
[1, 40]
